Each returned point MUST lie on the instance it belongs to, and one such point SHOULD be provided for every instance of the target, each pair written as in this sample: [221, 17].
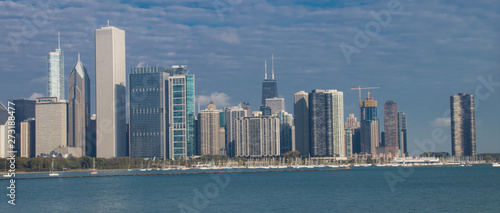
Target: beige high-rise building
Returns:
[257, 136]
[351, 122]
[51, 125]
[110, 92]
[209, 131]
[27, 138]
[301, 121]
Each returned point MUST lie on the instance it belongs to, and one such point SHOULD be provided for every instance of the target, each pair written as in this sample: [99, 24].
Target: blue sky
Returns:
[428, 51]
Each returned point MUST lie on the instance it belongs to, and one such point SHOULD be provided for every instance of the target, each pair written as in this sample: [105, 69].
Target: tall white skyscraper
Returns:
[55, 72]
[110, 92]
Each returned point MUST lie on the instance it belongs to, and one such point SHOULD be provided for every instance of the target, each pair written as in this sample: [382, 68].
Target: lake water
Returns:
[373, 189]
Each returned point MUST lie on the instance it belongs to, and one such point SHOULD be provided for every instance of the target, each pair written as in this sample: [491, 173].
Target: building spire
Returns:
[108, 22]
[78, 55]
[58, 40]
[265, 69]
[272, 56]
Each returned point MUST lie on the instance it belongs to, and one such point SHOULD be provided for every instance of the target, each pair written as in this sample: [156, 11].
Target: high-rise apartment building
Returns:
[209, 130]
[231, 114]
[257, 136]
[463, 125]
[326, 123]
[27, 138]
[4, 134]
[351, 122]
[55, 73]
[391, 134]
[110, 92]
[79, 107]
[301, 121]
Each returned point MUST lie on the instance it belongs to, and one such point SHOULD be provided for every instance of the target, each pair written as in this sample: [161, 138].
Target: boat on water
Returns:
[52, 173]
[142, 169]
[93, 172]
[495, 164]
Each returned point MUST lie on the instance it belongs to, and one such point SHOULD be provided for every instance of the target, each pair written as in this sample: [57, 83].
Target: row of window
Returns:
[147, 133]
[147, 111]
[147, 89]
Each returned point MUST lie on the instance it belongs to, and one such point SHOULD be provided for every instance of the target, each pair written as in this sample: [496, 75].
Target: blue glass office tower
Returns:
[55, 73]
[162, 113]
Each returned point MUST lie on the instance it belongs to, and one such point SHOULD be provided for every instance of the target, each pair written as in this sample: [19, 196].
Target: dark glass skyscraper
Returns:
[391, 140]
[463, 125]
[161, 113]
[402, 134]
[269, 86]
[369, 126]
[79, 108]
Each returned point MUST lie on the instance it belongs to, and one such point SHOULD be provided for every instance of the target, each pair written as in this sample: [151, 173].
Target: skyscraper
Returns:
[276, 104]
[79, 107]
[148, 133]
[352, 135]
[463, 125]
[301, 120]
[326, 123]
[27, 138]
[232, 113]
[403, 150]
[247, 107]
[51, 125]
[257, 136]
[391, 140]
[55, 72]
[181, 113]
[110, 91]
[287, 139]
[269, 86]
[266, 111]
[208, 131]
[24, 109]
[370, 137]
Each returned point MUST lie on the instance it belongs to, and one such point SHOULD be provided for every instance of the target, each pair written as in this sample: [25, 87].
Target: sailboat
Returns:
[149, 169]
[93, 172]
[52, 173]
[142, 169]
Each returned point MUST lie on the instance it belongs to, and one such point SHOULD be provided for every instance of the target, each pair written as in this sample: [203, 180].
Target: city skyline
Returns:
[297, 71]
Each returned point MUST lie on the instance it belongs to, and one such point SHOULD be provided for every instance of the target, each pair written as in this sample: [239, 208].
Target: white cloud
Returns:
[441, 122]
[35, 95]
[220, 99]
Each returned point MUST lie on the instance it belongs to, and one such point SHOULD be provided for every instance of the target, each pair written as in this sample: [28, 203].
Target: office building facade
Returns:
[370, 136]
[51, 125]
[287, 132]
[209, 131]
[79, 107]
[231, 114]
[110, 92]
[301, 122]
[402, 131]
[55, 73]
[24, 109]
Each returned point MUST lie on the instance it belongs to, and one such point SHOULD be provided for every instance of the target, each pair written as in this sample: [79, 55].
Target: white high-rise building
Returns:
[55, 73]
[4, 136]
[232, 113]
[338, 123]
[110, 92]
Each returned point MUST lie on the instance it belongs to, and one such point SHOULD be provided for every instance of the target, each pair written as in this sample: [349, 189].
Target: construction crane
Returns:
[359, 90]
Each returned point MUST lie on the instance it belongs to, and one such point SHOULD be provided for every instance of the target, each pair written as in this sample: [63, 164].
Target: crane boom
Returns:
[359, 88]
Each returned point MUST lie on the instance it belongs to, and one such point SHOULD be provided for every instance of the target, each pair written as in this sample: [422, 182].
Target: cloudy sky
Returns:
[419, 56]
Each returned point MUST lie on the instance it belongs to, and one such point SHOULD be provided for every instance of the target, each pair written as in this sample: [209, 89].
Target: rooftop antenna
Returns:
[272, 58]
[78, 55]
[58, 40]
[108, 22]
[265, 69]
